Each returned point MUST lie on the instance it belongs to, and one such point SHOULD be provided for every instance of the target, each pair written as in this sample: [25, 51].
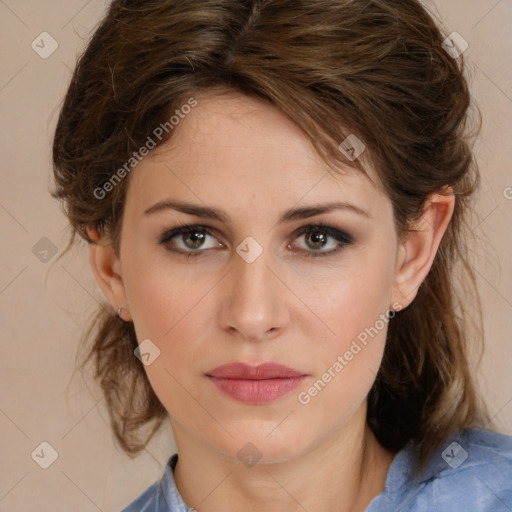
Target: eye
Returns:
[189, 239]
[317, 238]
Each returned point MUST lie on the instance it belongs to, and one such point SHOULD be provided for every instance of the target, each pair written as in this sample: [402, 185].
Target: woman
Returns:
[274, 196]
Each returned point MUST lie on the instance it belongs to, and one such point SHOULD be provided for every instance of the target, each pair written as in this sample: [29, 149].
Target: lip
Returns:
[254, 372]
[258, 384]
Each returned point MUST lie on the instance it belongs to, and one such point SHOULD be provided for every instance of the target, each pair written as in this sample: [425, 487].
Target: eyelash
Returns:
[341, 237]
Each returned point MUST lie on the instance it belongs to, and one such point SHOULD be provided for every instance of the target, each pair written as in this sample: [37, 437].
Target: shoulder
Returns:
[472, 471]
[146, 502]
[161, 496]
[480, 452]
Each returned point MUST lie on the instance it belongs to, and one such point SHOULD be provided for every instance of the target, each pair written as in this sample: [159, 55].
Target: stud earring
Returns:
[119, 313]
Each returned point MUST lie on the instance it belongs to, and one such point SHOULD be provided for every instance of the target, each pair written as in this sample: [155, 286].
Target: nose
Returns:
[254, 298]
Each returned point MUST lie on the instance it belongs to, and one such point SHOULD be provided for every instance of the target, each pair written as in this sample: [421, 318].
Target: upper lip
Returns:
[254, 372]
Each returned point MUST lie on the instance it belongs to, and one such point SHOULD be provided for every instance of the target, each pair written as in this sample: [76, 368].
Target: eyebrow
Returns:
[287, 216]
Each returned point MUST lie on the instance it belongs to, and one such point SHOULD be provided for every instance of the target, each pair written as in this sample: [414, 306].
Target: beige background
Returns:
[44, 305]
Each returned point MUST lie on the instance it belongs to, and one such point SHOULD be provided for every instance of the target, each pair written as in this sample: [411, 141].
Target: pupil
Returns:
[199, 237]
[318, 237]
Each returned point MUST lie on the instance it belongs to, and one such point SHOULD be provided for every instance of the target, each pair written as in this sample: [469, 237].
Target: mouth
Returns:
[255, 385]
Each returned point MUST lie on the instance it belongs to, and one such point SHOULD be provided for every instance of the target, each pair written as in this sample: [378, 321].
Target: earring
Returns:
[395, 307]
[119, 314]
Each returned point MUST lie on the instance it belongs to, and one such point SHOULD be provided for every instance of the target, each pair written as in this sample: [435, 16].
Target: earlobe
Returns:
[417, 252]
[106, 268]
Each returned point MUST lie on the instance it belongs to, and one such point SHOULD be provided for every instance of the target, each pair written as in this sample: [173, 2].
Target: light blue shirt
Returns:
[472, 472]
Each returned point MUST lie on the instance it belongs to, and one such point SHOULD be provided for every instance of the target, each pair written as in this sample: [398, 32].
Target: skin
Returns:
[247, 158]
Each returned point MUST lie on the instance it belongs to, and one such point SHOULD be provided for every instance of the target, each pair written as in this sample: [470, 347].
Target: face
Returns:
[254, 287]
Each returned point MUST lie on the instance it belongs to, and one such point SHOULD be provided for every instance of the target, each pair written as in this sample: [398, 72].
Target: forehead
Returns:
[232, 148]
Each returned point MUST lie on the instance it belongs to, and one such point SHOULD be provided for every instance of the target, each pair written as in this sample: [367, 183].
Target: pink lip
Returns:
[259, 384]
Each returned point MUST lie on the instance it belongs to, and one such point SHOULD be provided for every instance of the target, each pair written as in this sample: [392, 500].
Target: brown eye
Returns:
[317, 238]
[188, 239]
[196, 239]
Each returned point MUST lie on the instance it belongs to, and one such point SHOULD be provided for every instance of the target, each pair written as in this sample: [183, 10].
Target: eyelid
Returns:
[336, 233]
[341, 236]
[180, 229]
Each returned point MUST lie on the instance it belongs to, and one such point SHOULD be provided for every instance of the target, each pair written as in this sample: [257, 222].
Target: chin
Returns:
[252, 446]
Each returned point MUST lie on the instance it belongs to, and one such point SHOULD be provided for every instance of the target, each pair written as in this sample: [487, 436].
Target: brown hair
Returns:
[373, 68]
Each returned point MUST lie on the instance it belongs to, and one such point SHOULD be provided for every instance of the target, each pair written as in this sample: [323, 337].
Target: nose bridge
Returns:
[254, 303]
[252, 269]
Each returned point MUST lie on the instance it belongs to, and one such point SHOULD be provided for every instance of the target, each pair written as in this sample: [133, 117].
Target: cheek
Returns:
[170, 306]
[169, 310]
[348, 356]
[161, 296]
[355, 301]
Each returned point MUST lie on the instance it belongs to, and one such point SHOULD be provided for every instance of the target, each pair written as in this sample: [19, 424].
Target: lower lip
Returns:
[257, 392]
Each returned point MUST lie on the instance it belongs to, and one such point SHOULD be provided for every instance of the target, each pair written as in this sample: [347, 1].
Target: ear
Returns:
[106, 268]
[417, 252]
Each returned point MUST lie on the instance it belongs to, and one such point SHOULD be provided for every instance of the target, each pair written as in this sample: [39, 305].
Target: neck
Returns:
[342, 474]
